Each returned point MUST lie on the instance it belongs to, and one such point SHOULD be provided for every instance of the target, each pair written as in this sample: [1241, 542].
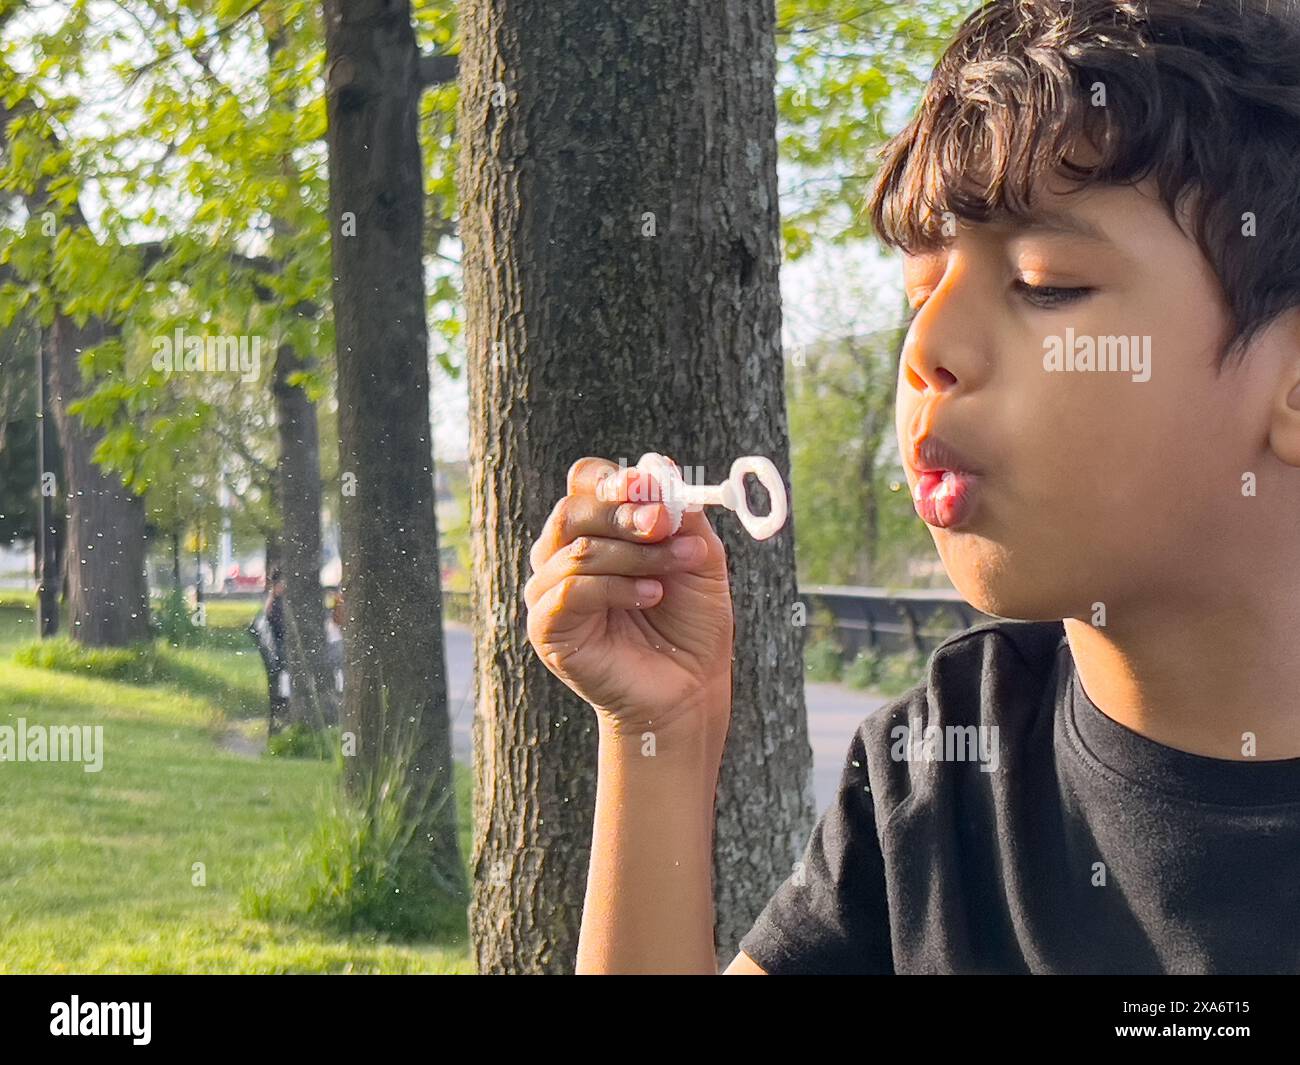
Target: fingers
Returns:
[577, 596]
[583, 514]
[636, 488]
[628, 484]
[605, 500]
[593, 555]
[586, 473]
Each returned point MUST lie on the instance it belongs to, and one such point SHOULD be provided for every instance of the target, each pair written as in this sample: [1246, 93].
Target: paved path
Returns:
[834, 713]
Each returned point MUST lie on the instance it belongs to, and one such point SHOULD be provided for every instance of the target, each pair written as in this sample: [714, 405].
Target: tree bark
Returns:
[298, 474]
[52, 532]
[108, 596]
[621, 251]
[393, 643]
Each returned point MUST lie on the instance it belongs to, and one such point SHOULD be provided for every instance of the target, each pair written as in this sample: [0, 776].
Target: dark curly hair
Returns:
[1203, 95]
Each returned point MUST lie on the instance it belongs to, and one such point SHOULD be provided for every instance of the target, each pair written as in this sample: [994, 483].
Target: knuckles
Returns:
[572, 475]
[564, 592]
[552, 532]
[583, 549]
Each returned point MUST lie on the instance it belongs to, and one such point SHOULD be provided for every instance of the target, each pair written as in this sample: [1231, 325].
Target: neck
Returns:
[1220, 680]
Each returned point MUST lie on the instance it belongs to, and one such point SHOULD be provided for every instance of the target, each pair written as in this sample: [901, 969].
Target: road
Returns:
[834, 713]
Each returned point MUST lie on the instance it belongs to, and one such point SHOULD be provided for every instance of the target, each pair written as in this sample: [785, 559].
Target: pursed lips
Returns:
[944, 492]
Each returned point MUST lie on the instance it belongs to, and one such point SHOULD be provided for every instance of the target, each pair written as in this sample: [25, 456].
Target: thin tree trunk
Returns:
[867, 478]
[52, 530]
[107, 591]
[50, 589]
[393, 642]
[274, 555]
[198, 564]
[298, 474]
[620, 222]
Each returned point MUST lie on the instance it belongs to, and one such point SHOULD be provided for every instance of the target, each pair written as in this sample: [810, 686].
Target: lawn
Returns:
[100, 872]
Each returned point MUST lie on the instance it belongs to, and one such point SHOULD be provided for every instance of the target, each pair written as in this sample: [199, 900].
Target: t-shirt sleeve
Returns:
[831, 915]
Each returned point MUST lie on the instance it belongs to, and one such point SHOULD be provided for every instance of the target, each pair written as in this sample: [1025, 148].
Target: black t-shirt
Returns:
[1062, 842]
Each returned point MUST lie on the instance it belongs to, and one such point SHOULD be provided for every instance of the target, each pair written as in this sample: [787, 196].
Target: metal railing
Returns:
[890, 622]
[863, 619]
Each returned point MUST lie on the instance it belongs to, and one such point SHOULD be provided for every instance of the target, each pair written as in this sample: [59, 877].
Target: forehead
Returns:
[1110, 219]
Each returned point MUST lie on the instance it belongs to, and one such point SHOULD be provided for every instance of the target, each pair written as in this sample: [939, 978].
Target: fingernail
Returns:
[648, 589]
[645, 518]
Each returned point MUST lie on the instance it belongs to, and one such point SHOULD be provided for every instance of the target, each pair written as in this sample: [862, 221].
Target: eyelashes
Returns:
[1048, 297]
[1043, 297]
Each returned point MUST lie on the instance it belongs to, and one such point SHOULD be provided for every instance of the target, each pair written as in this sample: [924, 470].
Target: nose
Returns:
[942, 349]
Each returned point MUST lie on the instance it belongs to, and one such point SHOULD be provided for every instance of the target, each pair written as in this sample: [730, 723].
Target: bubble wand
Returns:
[676, 495]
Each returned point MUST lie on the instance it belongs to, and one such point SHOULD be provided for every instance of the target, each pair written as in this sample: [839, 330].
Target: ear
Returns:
[1284, 421]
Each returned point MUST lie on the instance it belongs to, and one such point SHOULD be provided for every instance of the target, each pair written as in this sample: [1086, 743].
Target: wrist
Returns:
[681, 736]
[700, 716]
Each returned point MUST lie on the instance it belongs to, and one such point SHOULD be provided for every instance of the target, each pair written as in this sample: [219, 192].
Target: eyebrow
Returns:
[1060, 222]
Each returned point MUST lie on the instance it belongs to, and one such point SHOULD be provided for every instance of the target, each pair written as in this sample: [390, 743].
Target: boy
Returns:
[1099, 416]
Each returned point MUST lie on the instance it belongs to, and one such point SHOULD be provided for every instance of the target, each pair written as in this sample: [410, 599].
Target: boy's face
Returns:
[1088, 485]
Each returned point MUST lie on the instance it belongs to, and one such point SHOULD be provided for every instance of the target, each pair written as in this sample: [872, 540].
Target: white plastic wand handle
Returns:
[676, 495]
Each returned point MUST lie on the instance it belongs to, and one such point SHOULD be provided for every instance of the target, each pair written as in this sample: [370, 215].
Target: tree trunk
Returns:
[108, 595]
[869, 480]
[49, 590]
[274, 555]
[52, 532]
[298, 474]
[104, 551]
[394, 665]
[621, 231]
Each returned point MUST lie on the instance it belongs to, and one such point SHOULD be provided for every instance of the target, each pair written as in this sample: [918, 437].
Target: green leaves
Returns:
[848, 71]
[203, 183]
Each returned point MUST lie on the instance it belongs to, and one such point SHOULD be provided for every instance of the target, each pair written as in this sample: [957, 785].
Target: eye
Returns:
[913, 312]
[1048, 297]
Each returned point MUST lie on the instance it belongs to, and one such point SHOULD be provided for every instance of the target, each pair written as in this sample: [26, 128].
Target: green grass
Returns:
[98, 870]
[232, 678]
[17, 622]
[231, 614]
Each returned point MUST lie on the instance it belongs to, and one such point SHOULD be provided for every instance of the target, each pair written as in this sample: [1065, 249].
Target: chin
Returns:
[986, 576]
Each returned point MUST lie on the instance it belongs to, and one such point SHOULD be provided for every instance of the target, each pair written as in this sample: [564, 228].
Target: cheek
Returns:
[904, 409]
[1117, 460]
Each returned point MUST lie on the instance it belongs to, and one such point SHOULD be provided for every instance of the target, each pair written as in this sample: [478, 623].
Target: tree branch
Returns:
[259, 470]
[437, 69]
[195, 51]
[155, 251]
